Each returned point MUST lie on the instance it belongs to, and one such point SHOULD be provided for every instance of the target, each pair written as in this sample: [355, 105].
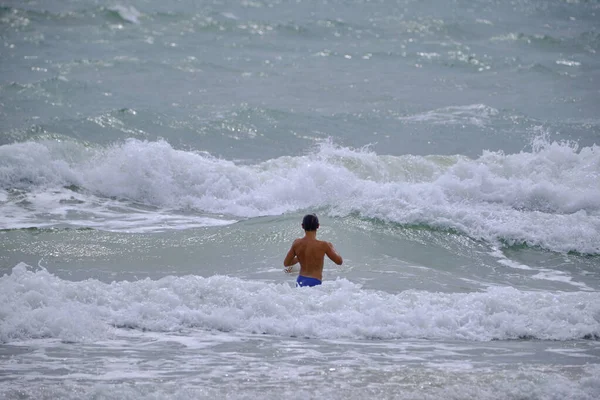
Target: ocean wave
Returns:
[473, 114]
[587, 41]
[24, 15]
[37, 304]
[126, 13]
[547, 197]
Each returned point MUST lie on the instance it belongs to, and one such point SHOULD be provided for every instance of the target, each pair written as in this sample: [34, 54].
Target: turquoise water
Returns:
[156, 160]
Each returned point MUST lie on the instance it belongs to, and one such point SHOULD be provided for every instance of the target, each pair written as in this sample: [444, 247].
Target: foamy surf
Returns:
[68, 207]
[547, 197]
[38, 304]
[287, 379]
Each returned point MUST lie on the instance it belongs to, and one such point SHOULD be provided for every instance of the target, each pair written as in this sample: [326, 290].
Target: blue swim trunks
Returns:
[307, 281]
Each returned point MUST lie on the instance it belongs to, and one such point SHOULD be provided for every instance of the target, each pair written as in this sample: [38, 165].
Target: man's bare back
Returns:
[310, 253]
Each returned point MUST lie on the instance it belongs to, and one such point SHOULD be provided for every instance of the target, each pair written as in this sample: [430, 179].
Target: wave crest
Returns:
[548, 197]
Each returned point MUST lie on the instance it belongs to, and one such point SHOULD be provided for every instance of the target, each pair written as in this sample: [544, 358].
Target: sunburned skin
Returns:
[310, 252]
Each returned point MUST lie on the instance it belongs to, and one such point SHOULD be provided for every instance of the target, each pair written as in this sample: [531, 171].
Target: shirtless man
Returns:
[310, 252]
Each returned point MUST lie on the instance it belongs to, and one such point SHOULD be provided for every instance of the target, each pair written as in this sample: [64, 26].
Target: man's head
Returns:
[310, 222]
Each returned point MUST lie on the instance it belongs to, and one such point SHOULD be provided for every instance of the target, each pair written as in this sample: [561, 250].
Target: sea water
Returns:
[156, 159]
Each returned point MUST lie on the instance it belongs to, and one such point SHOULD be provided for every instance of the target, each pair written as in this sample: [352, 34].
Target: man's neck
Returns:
[310, 234]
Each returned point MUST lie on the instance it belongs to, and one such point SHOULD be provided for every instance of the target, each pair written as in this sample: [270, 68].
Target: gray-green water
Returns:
[156, 159]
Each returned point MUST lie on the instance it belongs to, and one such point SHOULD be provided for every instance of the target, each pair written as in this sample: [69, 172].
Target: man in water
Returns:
[310, 252]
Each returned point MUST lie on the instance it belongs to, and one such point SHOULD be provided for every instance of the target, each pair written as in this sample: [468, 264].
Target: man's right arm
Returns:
[290, 258]
[333, 255]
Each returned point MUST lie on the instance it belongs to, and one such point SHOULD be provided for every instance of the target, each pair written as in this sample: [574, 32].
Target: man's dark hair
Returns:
[310, 222]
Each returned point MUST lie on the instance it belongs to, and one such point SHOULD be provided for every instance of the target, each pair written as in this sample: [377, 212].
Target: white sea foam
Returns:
[40, 305]
[62, 206]
[502, 259]
[560, 276]
[290, 382]
[473, 114]
[568, 63]
[127, 13]
[548, 197]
